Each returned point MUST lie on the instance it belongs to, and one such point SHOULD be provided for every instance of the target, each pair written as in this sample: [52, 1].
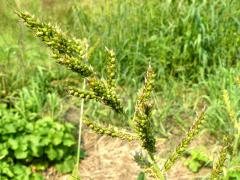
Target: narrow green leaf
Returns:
[141, 176]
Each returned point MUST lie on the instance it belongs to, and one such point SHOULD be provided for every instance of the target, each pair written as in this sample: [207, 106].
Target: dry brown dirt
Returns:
[112, 159]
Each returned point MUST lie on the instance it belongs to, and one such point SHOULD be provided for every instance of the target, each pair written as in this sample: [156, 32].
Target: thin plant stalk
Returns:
[236, 141]
[157, 171]
[80, 129]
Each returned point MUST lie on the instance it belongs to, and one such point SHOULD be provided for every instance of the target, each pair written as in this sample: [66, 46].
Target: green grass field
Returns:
[193, 47]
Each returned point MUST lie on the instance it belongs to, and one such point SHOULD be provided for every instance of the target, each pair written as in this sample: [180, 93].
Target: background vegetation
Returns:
[193, 46]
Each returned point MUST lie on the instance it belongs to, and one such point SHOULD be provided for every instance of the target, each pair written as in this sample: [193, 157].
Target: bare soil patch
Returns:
[112, 159]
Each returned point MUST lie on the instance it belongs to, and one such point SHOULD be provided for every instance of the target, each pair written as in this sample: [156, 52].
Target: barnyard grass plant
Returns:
[74, 54]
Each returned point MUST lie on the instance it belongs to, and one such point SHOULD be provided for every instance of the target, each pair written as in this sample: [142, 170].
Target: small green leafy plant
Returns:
[36, 144]
[74, 54]
[196, 159]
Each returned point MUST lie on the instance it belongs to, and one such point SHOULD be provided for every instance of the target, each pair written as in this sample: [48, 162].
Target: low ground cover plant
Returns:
[27, 145]
[196, 159]
[74, 54]
[32, 138]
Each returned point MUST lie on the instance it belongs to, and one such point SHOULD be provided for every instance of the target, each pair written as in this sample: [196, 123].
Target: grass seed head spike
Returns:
[75, 65]
[219, 165]
[110, 131]
[193, 131]
[142, 118]
[111, 68]
[107, 95]
[231, 112]
[53, 37]
[82, 93]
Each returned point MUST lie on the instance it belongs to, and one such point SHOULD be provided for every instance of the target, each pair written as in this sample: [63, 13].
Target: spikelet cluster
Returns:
[142, 119]
[193, 131]
[69, 52]
[110, 131]
[218, 167]
[100, 92]
[74, 64]
[111, 68]
[105, 94]
[82, 93]
[231, 112]
[53, 37]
